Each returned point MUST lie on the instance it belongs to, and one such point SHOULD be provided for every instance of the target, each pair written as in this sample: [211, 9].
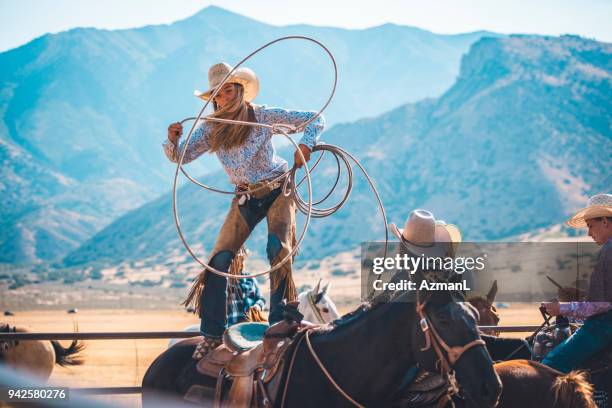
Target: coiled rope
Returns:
[290, 187]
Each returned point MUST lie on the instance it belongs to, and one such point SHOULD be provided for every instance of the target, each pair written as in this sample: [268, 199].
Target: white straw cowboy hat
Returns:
[243, 76]
[599, 205]
[424, 235]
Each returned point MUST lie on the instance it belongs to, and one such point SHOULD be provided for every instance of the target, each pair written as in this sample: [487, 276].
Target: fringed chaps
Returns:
[233, 234]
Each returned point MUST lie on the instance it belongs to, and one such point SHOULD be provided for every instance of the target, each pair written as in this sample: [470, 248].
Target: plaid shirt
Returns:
[241, 299]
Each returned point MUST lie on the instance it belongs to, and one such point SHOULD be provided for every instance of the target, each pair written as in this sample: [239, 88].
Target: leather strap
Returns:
[219, 388]
[315, 308]
[328, 375]
[453, 354]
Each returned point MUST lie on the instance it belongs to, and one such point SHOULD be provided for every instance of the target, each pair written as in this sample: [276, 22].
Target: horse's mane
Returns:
[364, 309]
[355, 315]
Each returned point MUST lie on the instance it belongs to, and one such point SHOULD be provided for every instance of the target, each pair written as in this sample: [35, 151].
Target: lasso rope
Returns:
[305, 207]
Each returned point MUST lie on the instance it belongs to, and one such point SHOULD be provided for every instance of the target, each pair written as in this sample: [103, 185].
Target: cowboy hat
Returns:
[424, 235]
[243, 76]
[600, 205]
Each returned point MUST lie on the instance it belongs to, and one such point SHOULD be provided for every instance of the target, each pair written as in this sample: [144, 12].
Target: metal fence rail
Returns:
[98, 335]
[169, 334]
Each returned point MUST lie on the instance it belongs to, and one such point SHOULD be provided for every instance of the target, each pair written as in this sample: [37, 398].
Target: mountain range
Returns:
[520, 140]
[84, 111]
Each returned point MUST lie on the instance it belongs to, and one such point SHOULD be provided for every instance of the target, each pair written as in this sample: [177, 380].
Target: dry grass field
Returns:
[124, 362]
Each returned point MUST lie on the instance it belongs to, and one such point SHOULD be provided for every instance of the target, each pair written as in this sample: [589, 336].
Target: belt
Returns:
[262, 188]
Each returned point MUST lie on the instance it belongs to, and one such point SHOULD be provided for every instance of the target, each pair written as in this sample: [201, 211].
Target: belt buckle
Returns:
[242, 198]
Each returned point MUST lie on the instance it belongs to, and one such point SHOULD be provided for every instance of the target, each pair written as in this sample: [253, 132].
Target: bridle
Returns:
[313, 305]
[432, 337]
[453, 353]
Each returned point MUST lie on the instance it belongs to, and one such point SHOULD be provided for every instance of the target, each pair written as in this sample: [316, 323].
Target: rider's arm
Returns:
[198, 144]
[597, 302]
[582, 310]
[296, 118]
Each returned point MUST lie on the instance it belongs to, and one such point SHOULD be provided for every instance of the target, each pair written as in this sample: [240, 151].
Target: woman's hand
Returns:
[298, 159]
[175, 131]
[552, 308]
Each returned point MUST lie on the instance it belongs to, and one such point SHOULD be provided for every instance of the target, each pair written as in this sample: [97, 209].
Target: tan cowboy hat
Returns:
[243, 76]
[425, 235]
[600, 205]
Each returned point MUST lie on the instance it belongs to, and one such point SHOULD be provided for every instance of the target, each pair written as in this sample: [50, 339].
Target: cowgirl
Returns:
[249, 158]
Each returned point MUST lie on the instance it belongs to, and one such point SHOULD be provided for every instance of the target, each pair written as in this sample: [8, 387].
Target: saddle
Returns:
[251, 356]
[425, 390]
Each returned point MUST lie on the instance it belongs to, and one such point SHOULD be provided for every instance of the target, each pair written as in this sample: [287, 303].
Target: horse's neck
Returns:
[377, 344]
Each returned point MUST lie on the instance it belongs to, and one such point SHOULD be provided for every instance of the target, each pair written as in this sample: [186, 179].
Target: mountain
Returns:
[516, 144]
[91, 106]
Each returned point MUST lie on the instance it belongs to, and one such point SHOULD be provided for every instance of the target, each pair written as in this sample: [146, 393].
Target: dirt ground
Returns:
[124, 362]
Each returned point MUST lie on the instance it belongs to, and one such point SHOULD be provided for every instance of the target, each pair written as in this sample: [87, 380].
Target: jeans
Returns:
[239, 223]
[594, 335]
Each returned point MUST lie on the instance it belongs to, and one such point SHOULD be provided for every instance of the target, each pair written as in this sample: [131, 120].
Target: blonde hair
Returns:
[225, 136]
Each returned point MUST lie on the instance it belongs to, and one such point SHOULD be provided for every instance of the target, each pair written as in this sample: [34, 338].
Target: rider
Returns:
[244, 301]
[596, 333]
[249, 158]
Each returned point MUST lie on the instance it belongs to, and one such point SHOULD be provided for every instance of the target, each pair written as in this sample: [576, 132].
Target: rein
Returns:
[453, 353]
[315, 308]
[327, 374]
[546, 322]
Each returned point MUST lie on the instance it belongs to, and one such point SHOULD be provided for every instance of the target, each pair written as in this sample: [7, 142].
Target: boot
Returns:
[205, 346]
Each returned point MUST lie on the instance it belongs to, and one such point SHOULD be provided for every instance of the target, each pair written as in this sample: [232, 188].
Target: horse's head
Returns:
[489, 316]
[317, 306]
[447, 340]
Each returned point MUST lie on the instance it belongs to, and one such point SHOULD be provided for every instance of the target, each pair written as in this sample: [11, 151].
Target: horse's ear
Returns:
[316, 288]
[492, 292]
[326, 288]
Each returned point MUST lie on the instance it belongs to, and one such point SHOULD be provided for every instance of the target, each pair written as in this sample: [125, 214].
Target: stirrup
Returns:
[205, 346]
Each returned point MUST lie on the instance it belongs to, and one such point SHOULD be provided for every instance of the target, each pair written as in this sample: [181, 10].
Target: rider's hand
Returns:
[296, 157]
[175, 131]
[552, 308]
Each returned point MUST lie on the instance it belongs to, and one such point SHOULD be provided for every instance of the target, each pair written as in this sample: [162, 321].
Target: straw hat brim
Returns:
[579, 219]
[243, 76]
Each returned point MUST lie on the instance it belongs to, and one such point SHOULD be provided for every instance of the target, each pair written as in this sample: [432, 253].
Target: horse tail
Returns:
[68, 356]
[573, 390]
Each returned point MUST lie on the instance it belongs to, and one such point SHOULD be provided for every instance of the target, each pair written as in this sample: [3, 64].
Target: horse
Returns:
[361, 358]
[37, 357]
[530, 384]
[489, 316]
[316, 305]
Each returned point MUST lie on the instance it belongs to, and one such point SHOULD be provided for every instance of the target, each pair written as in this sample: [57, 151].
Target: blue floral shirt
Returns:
[256, 159]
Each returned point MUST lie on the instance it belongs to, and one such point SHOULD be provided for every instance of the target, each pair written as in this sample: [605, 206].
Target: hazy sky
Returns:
[24, 20]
